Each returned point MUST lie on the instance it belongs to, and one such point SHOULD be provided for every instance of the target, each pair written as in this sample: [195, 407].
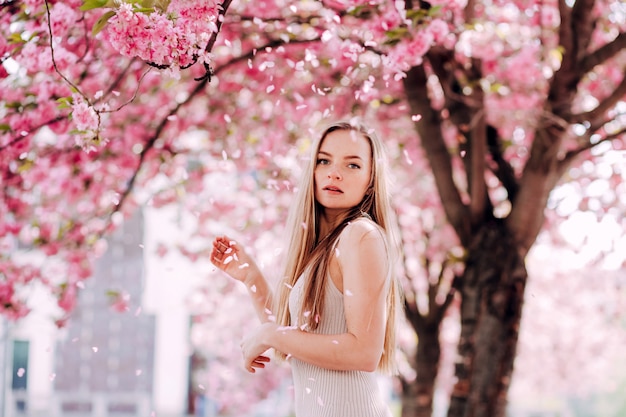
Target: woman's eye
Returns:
[322, 161]
[354, 166]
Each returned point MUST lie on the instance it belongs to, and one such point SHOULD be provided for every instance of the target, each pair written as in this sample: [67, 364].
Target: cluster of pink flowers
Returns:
[12, 277]
[84, 115]
[176, 39]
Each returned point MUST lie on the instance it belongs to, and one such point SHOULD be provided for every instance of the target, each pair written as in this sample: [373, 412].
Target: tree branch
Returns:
[602, 54]
[19, 138]
[572, 154]
[477, 155]
[504, 171]
[574, 36]
[606, 104]
[436, 151]
[466, 112]
[220, 22]
[583, 24]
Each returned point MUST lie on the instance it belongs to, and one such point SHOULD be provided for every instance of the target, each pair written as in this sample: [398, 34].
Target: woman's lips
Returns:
[332, 189]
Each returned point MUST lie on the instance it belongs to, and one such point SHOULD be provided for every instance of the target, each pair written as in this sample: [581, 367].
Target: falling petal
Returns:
[21, 372]
[228, 260]
[52, 376]
[349, 293]
[138, 372]
[416, 117]
[320, 402]
[242, 266]
[337, 252]
[253, 288]
[335, 342]
[408, 159]
[308, 390]
[201, 386]
[95, 349]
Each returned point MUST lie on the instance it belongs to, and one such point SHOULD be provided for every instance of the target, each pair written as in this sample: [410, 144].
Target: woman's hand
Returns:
[231, 258]
[228, 256]
[255, 345]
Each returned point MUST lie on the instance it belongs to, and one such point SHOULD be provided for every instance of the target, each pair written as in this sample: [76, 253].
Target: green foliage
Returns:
[65, 102]
[396, 35]
[139, 6]
[101, 23]
[94, 4]
[15, 38]
[418, 16]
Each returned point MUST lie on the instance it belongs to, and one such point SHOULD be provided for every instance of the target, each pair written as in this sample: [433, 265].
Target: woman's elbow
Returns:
[369, 362]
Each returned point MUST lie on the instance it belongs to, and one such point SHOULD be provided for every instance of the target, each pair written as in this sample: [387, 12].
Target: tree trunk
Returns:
[417, 395]
[492, 290]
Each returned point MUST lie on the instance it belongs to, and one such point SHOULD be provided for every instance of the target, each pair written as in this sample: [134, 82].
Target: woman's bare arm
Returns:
[362, 257]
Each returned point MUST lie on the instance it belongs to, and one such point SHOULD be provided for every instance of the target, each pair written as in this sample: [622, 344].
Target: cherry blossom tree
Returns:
[485, 106]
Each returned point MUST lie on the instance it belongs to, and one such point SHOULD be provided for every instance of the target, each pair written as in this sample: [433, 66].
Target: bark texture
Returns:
[417, 395]
[492, 291]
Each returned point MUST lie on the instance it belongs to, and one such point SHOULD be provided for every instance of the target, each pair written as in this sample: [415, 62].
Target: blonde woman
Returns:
[333, 316]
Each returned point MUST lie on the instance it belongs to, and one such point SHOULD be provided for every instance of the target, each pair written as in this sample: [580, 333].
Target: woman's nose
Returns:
[334, 173]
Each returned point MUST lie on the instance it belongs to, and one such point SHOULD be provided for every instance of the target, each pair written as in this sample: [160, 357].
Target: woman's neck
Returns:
[329, 221]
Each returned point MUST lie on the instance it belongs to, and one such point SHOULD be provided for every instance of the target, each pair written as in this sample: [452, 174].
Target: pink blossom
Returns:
[67, 300]
[119, 301]
[419, 45]
[62, 19]
[4, 46]
[84, 115]
[161, 40]
[439, 30]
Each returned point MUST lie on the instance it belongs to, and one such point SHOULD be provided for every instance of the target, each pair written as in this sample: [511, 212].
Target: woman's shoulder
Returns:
[361, 228]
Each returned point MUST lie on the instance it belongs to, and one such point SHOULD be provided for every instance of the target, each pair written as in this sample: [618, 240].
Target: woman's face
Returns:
[343, 170]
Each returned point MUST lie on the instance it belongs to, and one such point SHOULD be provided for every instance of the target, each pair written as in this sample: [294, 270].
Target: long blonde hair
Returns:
[305, 250]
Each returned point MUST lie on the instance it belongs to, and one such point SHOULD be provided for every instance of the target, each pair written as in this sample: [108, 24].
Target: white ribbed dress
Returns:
[322, 392]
